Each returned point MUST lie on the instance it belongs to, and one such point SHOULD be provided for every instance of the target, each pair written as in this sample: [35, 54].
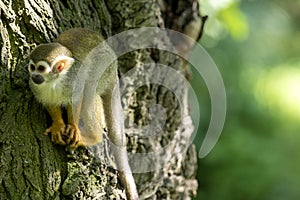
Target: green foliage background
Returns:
[256, 46]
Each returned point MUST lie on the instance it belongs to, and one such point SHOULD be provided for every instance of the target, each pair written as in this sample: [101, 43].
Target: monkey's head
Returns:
[48, 62]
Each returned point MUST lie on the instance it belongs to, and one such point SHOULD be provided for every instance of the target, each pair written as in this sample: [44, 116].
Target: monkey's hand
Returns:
[74, 135]
[57, 130]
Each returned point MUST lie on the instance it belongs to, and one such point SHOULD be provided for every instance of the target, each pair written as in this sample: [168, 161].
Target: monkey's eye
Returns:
[41, 68]
[32, 67]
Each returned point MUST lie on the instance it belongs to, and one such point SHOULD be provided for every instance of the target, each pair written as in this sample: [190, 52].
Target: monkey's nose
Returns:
[37, 79]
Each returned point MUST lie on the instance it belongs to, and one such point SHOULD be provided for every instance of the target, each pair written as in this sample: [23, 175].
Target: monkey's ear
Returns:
[62, 63]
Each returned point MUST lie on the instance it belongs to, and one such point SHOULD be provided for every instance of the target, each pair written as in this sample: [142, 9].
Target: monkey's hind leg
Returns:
[91, 129]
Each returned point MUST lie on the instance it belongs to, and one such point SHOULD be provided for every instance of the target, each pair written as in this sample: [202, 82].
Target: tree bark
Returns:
[31, 167]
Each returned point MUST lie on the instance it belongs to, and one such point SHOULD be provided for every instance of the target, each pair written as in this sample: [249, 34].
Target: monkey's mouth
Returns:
[37, 79]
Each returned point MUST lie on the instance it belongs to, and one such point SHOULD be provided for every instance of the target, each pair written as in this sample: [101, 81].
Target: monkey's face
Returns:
[48, 62]
[39, 71]
[44, 72]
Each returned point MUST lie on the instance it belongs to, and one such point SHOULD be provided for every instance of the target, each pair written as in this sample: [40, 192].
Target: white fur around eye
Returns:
[45, 64]
[29, 66]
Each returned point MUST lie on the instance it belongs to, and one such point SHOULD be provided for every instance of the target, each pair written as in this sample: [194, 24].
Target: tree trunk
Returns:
[31, 167]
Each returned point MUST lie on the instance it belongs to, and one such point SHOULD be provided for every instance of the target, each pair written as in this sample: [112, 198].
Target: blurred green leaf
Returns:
[255, 45]
[235, 21]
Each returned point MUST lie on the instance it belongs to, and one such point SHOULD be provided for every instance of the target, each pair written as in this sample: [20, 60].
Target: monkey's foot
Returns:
[73, 134]
[57, 130]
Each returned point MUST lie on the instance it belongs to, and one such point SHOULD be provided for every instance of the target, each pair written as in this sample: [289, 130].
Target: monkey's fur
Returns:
[53, 68]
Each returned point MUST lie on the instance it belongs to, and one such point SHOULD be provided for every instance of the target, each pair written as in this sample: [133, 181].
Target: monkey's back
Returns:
[80, 41]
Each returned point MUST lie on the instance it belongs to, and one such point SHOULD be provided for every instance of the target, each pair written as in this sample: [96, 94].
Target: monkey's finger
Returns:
[68, 130]
[57, 139]
[76, 140]
[71, 133]
[47, 131]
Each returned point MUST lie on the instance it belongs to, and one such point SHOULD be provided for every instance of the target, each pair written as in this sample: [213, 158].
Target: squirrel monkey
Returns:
[53, 69]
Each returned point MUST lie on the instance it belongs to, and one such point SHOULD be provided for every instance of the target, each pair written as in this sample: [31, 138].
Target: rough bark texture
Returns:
[31, 167]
